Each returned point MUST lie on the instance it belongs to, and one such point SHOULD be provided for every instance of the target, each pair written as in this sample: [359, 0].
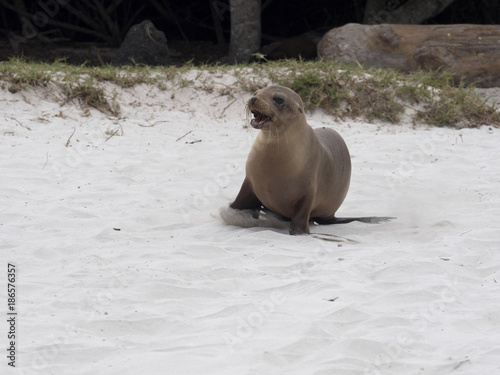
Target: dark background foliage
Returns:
[194, 20]
[188, 22]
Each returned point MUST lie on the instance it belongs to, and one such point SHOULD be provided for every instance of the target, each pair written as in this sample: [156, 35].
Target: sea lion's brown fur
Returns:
[297, 172]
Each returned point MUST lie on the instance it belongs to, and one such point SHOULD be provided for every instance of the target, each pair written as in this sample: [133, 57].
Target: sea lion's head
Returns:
[274, 106]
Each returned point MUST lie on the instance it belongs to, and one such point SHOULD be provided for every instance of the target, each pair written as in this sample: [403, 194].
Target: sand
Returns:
[123, 265]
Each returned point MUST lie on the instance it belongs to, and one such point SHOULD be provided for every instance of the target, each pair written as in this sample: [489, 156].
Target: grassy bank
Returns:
[343, 91]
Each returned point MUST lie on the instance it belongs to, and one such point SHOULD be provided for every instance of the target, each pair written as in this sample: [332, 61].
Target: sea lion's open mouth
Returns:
[259, 119]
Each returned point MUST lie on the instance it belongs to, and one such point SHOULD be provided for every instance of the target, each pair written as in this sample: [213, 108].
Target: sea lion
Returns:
[293, 170]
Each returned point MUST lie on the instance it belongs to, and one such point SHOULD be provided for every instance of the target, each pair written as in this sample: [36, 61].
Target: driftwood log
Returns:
[471, 51]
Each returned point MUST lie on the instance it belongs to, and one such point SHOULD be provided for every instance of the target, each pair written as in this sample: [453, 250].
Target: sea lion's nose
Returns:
[253, 100]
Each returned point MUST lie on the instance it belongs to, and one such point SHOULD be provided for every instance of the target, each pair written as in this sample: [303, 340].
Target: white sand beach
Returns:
[123, 265]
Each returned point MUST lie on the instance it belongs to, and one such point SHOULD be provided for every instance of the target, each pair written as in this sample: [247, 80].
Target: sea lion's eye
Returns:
[278, 101]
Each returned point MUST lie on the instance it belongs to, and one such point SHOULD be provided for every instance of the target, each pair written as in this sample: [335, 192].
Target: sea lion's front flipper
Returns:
[300, 218]
[247, 200]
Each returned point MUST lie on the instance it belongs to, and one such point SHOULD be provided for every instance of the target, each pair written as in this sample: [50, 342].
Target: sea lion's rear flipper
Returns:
[345, 220]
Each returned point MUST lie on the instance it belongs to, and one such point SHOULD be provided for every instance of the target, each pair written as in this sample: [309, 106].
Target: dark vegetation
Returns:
[197, 30]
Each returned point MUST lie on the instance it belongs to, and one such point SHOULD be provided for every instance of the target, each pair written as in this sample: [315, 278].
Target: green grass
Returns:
[343, 91]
